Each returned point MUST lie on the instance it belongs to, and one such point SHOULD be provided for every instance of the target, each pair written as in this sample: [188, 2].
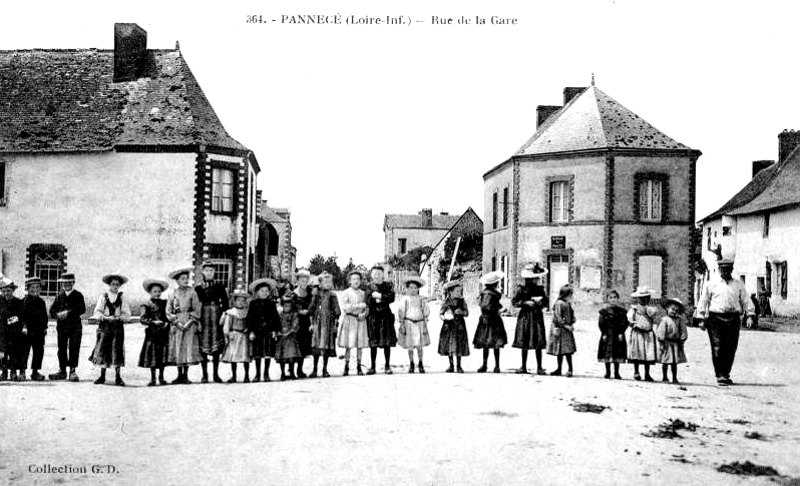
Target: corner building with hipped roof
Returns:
[600, 197]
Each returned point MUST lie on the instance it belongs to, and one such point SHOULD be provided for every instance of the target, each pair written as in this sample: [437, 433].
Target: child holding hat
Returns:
[155, 347]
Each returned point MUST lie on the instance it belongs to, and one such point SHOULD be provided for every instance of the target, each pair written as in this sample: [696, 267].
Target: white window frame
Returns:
[222, 190]
[651, 200]
[559, 201]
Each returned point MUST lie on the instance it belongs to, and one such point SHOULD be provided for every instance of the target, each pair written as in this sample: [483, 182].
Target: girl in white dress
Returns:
[353, 330]
[413, 313]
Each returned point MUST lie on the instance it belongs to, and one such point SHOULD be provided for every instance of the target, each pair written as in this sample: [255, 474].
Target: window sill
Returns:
[223, 213]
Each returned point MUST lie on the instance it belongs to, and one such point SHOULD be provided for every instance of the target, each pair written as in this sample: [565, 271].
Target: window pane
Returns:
[558, 209]
[651, 273]
[48, 265]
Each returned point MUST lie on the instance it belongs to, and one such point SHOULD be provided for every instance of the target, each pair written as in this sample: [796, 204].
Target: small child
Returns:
[288, 350]
[491, 332]
[237, 337]
[155, 347]
[642, 343]
[672, 333]
[613, 347]
[413, 313]
[562, 341]
[453, 339]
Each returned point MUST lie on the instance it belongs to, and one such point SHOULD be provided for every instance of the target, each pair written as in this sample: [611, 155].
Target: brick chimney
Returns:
[427, 217]
[130, 52]
[788, 140]
[570, 93]
[759, 165]
[543, 112]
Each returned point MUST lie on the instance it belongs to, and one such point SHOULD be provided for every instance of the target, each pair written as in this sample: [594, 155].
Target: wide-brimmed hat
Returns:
[532, 270]
[725, 262]
[148, 283]
[673, 300]
[492, 277]
[303, 273]
[414, 279]
[67, 277]
[7, 282]
[32, 280]
[177, 273]
[257, 284]
[642, 291]
[240, 292]
[453, 284]
[111, 276]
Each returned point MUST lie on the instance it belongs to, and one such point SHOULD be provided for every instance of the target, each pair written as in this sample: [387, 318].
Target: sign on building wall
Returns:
[558, 242]
[590, 277]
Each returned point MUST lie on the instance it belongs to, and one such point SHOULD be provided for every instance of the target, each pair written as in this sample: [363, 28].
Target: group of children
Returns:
[195, 326]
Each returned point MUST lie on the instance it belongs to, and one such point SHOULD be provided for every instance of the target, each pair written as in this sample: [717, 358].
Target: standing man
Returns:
[723, 305]
[10, 328]
[34, 311]
[380, 319]
[67, 309]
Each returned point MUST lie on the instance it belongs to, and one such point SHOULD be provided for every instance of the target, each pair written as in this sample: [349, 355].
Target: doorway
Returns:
[558, 267]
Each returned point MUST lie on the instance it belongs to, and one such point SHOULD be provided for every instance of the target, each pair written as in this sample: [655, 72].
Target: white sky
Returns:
[352, 122]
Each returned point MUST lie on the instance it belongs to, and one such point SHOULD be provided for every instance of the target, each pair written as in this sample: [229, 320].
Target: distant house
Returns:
[404, 232]
[114, 160]
[600, 197]
[278, 256]
[759, 228]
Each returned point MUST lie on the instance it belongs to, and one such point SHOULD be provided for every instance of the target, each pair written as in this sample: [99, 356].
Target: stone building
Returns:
[759, 228]
[600, 197]
[114, 160]
[404, 232]
[278, 256]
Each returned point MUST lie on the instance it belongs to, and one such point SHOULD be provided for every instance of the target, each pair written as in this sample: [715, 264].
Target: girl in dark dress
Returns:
[265, 323]
[613, 347]
[111, 313]
[302, 302]
[491, 332]
[214, 302]
[531, 298]
[562, 340]
[155, 347]
[287, 350]
[453, 339]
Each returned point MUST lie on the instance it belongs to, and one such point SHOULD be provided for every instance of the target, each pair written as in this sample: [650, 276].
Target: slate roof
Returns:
[440, 221]
[66, 100]
[594, 120]
[753, 188]
[270, 215]
[781, 189]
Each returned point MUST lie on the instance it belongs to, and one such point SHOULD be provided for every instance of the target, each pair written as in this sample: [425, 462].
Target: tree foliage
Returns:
[412, 259]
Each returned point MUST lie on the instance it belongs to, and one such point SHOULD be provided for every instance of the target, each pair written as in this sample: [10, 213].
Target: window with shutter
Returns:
[222, 190]
[650, 193]
[559, 202]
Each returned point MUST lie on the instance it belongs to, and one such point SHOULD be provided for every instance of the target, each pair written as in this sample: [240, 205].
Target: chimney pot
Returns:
[543, 112]
[130, 52]
[570, 93]
[788, 140]
[427, 217]
[759, 165]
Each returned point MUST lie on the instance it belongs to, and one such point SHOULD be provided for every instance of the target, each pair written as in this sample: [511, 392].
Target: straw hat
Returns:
[107, 278]
[240, 292]
[533, 270]
[642, 291]
[492, 277]
[414, 279]
[207, 263]
[177, 273]
[257, 284]
[148, 283]
[32, 280]
[7, 282]
[67, 277]
[666, 302]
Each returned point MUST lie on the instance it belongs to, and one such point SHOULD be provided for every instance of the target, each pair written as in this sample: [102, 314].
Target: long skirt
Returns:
[562, 341]
[304, 336]
[155, 348]
[184, 346]
[414, 335]
[109, 351]
[323, 337]
[530, 333]
[612, 349]
[380, 329]
[453, 339]
[490, 333]
[263, 346]
[212, 339]
[353, 333]
[287, 349]
[671, 352]
[642, 347]
[238, 348]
